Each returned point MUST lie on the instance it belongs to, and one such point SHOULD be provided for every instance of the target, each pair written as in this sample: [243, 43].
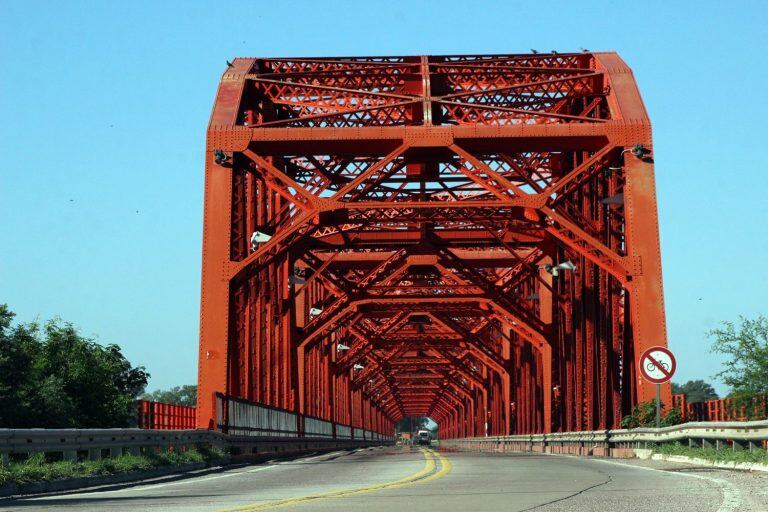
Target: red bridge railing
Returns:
[160, 416]
[723, 409]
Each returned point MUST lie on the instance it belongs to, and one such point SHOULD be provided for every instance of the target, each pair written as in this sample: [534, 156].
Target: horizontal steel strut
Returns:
[471, 238]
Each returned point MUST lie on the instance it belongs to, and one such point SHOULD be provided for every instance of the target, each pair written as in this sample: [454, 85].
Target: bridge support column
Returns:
[214, 306]
[646, 293]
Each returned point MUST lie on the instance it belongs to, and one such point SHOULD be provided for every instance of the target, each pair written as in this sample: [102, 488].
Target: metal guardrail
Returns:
[245, 428]
[736, 435]
[100, 442]
[93, 444]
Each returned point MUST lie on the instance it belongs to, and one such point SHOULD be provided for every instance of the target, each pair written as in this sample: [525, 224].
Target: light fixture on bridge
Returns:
[533, 296]
[315, 311]
[614, 199]
[220, 156]
[358, 366]
[555, 269]
[639, 150]
[259, 238]
[341, 347]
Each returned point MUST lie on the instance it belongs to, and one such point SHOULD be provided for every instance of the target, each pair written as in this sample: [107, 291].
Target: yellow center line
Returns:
[445, 468]
[427, 474]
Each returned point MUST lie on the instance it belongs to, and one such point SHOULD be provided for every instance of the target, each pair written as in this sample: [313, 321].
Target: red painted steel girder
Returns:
[472, 238]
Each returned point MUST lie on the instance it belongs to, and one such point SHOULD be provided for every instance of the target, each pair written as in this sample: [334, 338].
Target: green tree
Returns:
[52, 377]
[695, 391]
[412, 424]
[181, 395]
[746, 349]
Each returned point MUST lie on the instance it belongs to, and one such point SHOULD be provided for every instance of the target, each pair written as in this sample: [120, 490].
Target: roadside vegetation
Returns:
[745, 347]
[38, 469]
[53, 377]
[644, 415]
[758, 456]
[745, 371]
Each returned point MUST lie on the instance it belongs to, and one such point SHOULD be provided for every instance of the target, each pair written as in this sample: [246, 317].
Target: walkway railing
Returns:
[239, 417]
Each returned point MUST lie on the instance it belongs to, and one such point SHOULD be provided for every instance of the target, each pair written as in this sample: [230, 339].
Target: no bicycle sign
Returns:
[657, 364]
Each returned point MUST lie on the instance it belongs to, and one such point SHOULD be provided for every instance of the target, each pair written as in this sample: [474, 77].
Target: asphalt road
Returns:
[403, 478]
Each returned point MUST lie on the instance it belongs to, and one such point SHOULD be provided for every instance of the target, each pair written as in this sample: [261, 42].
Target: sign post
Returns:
[657, 365]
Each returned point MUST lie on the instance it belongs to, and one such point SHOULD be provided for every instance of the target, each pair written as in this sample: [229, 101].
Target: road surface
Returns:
[406, 478]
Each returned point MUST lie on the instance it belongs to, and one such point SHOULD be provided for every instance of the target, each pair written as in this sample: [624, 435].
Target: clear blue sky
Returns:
[103, 109]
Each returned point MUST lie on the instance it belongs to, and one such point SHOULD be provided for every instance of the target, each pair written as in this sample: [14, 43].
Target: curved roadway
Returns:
[406, 479]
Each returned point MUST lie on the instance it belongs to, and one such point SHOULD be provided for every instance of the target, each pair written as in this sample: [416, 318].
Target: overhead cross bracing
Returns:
[469, 238]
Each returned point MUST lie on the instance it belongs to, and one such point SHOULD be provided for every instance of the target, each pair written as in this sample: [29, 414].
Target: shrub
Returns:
[644, 415]
[36, 468]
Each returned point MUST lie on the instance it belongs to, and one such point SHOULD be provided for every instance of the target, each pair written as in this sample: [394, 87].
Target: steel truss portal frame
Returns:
[470, 238]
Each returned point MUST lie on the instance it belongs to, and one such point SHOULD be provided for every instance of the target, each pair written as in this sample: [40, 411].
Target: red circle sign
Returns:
[657, 364]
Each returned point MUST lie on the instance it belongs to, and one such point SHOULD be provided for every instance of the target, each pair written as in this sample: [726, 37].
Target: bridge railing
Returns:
[242, 418]
[239, 417]
[723, 409]
[162, 416]
[315, 427]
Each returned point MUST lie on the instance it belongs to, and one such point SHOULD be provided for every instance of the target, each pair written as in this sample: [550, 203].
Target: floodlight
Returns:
[566, 265]
[259, 238]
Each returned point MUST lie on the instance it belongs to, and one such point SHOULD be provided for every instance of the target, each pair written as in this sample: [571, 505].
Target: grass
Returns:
[37, 469]
[725, 454]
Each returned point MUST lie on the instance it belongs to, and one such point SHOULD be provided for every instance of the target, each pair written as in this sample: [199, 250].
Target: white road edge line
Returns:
[731, 494]
[192, 480]
[198, 480]
[316, 457]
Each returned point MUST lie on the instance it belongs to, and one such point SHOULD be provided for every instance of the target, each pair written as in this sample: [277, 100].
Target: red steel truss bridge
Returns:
[471, 238]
